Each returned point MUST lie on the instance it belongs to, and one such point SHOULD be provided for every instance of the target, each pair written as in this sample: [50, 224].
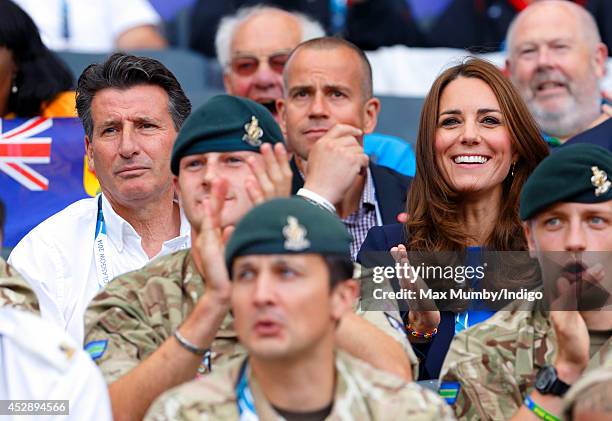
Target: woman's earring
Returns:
[512, 170]
[14, 88]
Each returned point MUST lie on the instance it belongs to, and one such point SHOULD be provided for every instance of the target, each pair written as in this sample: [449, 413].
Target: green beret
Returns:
[574, 173]
[225, 123]
[287, 226]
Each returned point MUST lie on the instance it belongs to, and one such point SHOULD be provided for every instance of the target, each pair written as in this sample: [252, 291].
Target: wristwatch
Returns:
[548, 383]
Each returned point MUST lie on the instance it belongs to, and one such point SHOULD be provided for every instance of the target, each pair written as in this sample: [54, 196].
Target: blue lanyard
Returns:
[244, 397]
[103, 269]
[476, 311]
[100, 224]
[461, 321]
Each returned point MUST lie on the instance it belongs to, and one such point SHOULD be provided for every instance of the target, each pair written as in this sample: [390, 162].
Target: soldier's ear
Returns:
[343, 297]
[177, 189]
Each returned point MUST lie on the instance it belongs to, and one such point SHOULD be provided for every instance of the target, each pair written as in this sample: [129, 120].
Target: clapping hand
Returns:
[272, 178]
[420, 320]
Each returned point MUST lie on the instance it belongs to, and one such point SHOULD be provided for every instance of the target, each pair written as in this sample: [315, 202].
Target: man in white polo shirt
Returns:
[131, 109]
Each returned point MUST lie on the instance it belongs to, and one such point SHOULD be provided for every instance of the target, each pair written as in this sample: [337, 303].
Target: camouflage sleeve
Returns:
[416, 403]
[368, 393]
[475, 381]
[391, 323]
[120, 329]
[385, 317]
[15, 291]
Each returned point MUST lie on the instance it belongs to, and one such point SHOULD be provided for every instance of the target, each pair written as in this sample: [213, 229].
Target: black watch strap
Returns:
[548, 383]
[559, 387]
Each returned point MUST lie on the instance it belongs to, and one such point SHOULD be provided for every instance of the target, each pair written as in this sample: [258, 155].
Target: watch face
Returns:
[545, 378]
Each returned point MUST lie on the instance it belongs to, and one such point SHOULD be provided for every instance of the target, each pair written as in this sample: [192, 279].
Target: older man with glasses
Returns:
[253, 46]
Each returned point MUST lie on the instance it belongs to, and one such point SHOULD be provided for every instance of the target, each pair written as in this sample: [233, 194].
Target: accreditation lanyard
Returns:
[472, 259]
[476, 311]
[244, 397]
[103, 269]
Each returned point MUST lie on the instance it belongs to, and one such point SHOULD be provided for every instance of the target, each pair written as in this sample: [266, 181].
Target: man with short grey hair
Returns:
[556, 60]
[132, 109]
[253, 46]
[327, 110]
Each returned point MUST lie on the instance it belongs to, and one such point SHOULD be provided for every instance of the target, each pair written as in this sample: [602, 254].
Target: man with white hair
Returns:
[253, 46]
[556, 60]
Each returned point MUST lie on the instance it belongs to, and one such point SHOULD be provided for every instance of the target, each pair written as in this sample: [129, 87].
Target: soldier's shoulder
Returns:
[15, 291]
[211, 395]
[5, 269]
[493, 341]
[37, 338]
[170, 266]
[504, 326]
[367, 376]
[485, 352]
[152, 292]
[388, 395]
[163, 271]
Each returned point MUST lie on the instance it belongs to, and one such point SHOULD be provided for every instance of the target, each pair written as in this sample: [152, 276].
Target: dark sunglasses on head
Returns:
[247, 65]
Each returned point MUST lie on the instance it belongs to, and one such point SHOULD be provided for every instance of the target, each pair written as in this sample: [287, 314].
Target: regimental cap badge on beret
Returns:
[254, 133]
[295, 235]
[600, 181]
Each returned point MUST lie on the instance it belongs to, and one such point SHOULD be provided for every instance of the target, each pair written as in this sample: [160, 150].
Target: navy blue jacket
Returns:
[599, 135]
[431, 354]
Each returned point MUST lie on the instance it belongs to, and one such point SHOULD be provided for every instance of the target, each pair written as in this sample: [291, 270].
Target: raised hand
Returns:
[572, 344]
[421, 321]
[334, 162]
[211, 240]
[272, 178]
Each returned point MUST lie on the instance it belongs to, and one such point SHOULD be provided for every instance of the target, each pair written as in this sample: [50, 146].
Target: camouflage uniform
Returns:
[15, 291]
[495, 363]
[390, 323]
[584, 384]
[139, 310]
[361, 393]
[388, 320]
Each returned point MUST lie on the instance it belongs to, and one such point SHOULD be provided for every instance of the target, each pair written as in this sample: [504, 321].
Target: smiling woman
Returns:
[476, 146]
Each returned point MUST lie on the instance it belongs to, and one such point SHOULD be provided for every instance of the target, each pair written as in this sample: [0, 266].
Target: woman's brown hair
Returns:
[433, 207]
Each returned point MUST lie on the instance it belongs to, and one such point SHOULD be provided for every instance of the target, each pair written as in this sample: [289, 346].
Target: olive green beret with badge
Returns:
[288, 226]
[579, 173]
[225, 123]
